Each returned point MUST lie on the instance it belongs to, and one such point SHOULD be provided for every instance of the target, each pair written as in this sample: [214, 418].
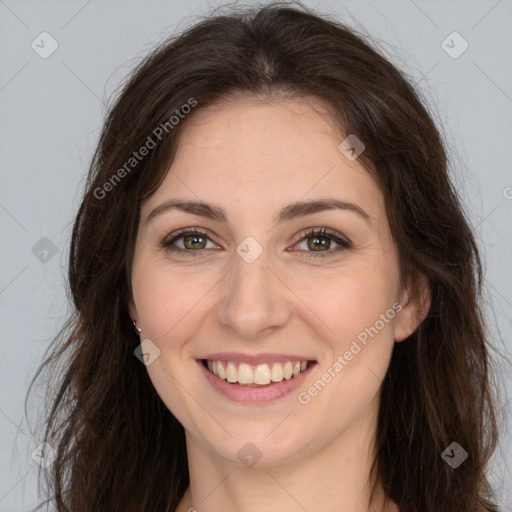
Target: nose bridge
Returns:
[253, 301]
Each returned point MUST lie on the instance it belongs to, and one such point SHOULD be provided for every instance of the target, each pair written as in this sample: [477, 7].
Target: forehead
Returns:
[262, 154]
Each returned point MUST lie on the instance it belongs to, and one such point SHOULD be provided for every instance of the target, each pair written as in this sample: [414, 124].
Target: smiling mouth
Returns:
[260, 375]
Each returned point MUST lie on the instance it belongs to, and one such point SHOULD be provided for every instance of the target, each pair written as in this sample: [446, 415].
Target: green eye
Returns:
[193, 241]
[322, 239]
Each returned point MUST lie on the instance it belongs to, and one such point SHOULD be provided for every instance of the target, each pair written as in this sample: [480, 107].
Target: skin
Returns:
[252, 157]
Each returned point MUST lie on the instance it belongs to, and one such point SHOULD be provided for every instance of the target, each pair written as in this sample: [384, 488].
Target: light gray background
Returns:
[52, 110]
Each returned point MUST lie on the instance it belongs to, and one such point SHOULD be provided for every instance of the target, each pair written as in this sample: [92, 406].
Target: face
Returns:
[300, 304]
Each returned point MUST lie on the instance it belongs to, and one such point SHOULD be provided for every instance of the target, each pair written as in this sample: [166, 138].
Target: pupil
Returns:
[323, 243]
[194, 239]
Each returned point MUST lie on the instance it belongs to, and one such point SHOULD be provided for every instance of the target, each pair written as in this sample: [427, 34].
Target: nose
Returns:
[255, 301]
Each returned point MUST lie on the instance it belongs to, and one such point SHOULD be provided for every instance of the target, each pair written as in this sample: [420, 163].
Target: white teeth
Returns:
[259, 375]
[220, 370]
[231, 373]
[277, 372]
[245, 374]
[262, 374]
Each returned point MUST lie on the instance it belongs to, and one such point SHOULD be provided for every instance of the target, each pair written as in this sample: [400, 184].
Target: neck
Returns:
[335, 478]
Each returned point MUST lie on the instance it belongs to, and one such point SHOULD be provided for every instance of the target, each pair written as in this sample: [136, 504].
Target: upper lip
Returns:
[256, 358]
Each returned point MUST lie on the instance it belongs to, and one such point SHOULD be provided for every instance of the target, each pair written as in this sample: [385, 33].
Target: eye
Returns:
[319, 242]
[191, 241]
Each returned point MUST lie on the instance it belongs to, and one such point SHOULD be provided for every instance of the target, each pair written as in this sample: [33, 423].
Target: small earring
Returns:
[137, 328]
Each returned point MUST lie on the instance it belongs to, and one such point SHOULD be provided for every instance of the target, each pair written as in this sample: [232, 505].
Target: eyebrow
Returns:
[287, 213]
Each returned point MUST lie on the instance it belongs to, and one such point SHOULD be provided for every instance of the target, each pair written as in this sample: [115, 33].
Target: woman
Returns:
[276, 289]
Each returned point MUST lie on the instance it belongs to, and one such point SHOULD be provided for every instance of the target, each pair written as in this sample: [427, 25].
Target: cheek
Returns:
[357, 306]
[359, 309]
[167, 300]
[170, 309]
[351, 300]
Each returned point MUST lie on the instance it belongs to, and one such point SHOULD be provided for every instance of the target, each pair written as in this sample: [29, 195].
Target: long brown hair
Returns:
[119, 449]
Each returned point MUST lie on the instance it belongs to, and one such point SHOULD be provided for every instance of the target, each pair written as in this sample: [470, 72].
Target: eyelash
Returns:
[321, 233]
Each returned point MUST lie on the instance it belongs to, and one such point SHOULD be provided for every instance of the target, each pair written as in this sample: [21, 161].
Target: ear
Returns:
[133, 310]
[415, 301]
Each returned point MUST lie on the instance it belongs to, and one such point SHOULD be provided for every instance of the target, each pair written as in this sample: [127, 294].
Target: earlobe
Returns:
[132, 309]
[134, 315]
[415, 303]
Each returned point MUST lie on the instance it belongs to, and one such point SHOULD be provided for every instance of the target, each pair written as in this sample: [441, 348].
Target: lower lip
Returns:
[253, 394]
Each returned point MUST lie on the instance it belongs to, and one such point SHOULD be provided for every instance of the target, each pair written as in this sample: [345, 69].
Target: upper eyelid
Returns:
[188, 231]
